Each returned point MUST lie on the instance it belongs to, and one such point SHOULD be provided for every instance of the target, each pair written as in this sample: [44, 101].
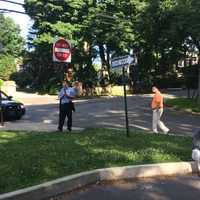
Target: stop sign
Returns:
[62, 51]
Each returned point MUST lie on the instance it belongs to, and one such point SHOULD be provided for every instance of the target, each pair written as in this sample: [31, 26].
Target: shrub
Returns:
[22, 79]
[7, 66]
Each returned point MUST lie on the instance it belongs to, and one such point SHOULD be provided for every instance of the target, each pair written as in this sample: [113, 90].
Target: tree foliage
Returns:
[10, 39]
[159, 32]
[7, 66]
[12, 46]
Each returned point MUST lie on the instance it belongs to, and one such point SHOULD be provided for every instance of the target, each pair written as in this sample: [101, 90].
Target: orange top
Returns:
[157, 101]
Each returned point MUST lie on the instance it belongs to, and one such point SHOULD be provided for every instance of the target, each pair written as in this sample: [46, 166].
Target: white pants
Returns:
[196, 158]
[157, 113]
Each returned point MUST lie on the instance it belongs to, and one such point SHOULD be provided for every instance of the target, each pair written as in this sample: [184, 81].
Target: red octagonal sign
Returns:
[62, 51]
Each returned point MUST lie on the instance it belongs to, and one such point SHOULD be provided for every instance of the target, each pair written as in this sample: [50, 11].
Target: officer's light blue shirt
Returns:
[69, 91]
[72, 91]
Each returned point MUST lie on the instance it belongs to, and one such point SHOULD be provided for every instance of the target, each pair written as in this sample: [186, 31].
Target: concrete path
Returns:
[42, 114]
[168, 188]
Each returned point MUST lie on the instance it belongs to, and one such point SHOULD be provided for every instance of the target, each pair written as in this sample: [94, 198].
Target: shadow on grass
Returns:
[29, 159]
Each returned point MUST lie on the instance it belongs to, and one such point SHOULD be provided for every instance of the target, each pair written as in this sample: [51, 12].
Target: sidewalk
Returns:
[35, 99]
[185, 187]
[34, 126]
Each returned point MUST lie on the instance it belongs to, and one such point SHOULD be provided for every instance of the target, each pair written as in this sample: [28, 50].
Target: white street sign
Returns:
[121, 61]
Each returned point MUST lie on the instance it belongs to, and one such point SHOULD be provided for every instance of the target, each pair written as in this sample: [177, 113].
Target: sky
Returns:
[23, 20]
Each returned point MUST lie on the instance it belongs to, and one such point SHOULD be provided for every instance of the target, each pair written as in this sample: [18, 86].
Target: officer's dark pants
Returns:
[65, 110]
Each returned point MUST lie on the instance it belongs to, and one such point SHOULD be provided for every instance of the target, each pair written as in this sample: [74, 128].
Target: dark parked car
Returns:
[12, 110]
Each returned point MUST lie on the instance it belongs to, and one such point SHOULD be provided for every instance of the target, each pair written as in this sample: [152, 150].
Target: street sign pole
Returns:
[199, 88]
[1, 113]
[122, 62]
[125, 103]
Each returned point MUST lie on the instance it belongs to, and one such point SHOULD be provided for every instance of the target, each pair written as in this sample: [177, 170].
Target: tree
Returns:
[188, 21]
[193, 30]
[7, 66]
[59, 19]
[12, 46]
[156, 30]
[12, 42]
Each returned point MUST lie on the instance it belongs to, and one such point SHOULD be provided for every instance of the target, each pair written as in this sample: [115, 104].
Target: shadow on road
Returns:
[109, 113]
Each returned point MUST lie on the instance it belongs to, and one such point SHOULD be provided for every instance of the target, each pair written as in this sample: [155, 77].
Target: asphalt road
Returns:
[42, 114]
[163, 188]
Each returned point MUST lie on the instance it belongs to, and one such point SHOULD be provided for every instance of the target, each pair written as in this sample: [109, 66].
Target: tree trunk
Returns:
[102, 54]
[108, 60]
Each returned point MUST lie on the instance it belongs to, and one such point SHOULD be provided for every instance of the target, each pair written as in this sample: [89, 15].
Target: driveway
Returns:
[42, 114]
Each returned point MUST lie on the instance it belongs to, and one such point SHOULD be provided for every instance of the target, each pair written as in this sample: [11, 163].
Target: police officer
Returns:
[66, 106]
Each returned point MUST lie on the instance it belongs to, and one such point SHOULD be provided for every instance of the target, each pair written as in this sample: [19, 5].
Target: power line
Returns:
[2, 10]
[21, 4]
[8, 10]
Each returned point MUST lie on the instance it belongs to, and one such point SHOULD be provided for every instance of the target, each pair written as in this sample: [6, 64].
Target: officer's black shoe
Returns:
[59, 130]
[69, 129]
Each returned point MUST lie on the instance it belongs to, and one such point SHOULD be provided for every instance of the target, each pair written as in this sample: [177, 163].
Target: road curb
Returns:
[69, 183]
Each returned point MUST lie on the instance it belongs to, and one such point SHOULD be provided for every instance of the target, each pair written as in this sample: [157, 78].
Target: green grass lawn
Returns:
[30, 158]
[183, 104]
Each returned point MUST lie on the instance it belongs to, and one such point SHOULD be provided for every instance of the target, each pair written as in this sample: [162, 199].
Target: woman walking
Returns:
[157, 107]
